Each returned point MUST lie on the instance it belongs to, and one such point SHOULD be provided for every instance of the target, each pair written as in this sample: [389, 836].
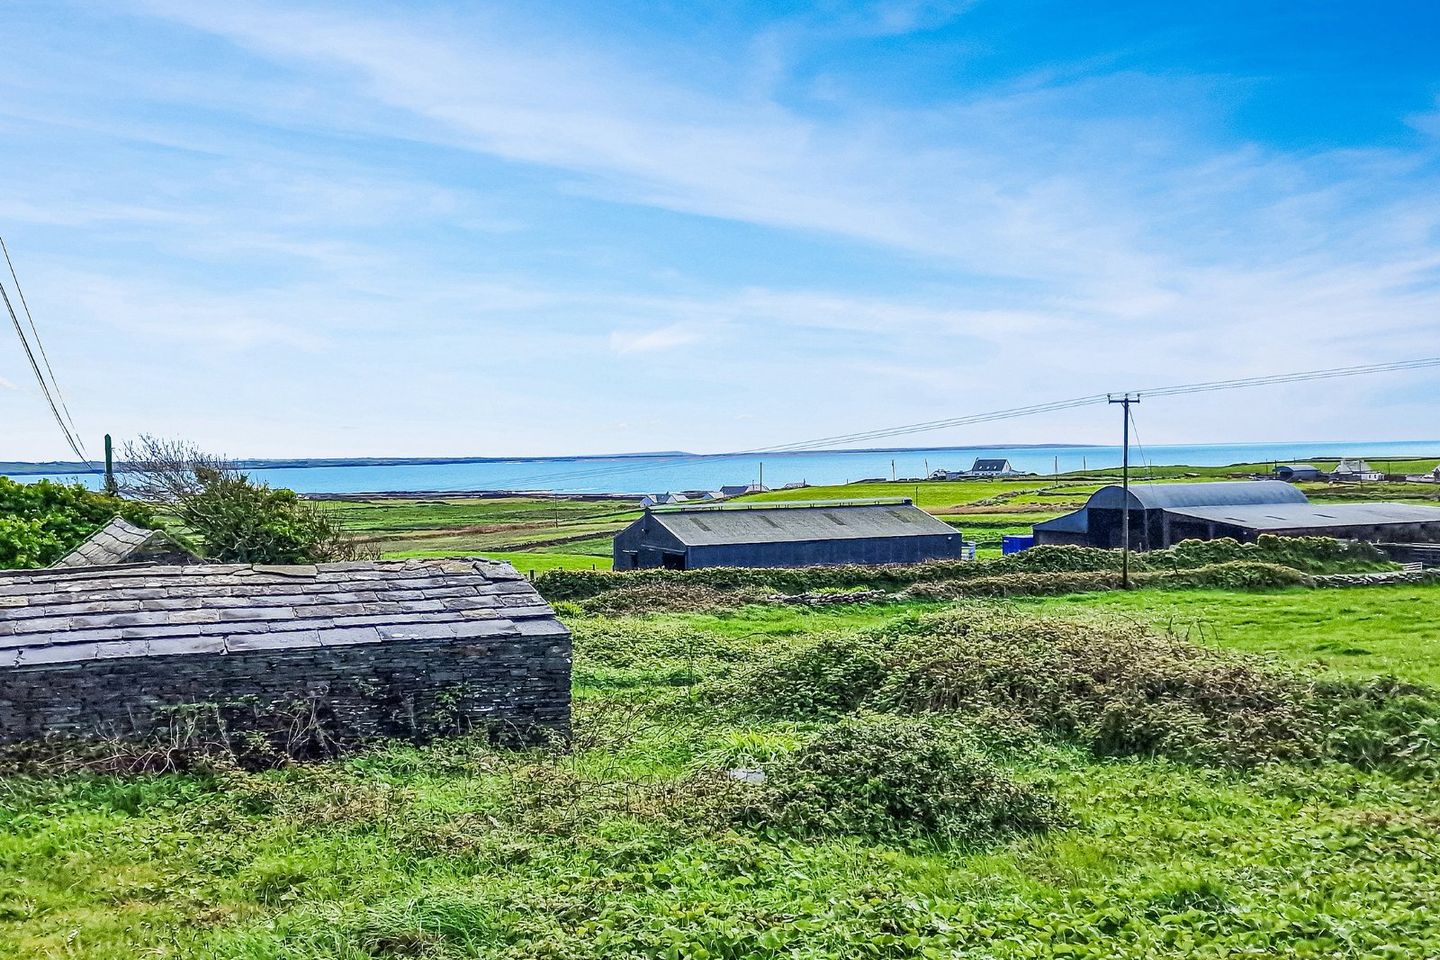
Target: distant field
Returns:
[496, 526]
[572, 533]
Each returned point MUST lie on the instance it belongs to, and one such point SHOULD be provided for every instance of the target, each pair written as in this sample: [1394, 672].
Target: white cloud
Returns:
[1075, 230]
[653, 341]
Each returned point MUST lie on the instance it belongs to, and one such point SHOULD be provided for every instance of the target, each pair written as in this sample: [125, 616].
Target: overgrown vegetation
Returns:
[1117, 687]
[899, 779]
[41, 522]
[940, 814]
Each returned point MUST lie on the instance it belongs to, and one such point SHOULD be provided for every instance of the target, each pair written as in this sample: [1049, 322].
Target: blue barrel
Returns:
[1015, 542]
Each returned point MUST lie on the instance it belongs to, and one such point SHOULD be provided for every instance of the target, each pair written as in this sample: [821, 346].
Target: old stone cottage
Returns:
[371, 649]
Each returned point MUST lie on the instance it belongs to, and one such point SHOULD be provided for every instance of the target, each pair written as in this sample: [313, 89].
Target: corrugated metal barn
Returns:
[785, 535]
[1162, 514]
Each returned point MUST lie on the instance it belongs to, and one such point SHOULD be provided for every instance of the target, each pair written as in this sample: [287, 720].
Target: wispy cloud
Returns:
[653, 341]
[468, 199]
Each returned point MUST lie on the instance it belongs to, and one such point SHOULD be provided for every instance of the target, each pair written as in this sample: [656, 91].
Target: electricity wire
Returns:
[40, 345]
[838, 440]
[70, 439]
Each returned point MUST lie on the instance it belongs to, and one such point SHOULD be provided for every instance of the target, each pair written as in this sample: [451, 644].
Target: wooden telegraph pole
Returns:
[1125, 402]
[111, 487]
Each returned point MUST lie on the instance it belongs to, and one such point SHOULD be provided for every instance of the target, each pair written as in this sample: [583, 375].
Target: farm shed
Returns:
[120, 541]
[785, 535]
[406, 648]
[1162, 514]
[1297, 472]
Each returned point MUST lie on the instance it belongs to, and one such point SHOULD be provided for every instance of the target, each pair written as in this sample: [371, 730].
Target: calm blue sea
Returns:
[659, 473]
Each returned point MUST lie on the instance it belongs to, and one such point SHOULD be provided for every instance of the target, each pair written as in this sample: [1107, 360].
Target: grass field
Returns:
[575, 534]
[458, 850]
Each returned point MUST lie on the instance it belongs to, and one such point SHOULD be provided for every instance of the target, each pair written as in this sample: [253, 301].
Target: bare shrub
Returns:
[236, 519]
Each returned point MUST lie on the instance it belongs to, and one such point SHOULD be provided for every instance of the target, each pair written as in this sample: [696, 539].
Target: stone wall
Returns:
[1377, 578]
[516, 687]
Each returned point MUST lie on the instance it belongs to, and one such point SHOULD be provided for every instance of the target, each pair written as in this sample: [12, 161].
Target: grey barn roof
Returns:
[120, 541]
[714, 527]
[102, 613]
[1169, 496]
[1288, 516]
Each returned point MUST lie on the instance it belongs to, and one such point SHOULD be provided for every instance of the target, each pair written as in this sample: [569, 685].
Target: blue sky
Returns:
[304, 228]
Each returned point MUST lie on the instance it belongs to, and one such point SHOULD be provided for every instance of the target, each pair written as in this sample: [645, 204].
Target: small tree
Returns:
[237, 519]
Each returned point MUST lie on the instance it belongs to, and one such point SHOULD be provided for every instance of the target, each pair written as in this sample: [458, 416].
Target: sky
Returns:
[301, 228]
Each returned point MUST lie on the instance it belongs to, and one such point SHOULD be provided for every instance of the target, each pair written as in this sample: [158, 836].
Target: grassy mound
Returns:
[895, 778]
[1118, 687]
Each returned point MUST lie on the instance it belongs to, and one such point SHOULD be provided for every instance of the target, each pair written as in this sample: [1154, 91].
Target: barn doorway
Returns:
[673, 561]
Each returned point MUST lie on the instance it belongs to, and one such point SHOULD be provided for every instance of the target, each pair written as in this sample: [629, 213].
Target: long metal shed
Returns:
[1162, 514]
[786, 535]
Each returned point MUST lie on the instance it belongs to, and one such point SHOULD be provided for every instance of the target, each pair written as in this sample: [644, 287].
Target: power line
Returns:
[39, 378]
[40, 344]
[993, 416]
[1058, 405]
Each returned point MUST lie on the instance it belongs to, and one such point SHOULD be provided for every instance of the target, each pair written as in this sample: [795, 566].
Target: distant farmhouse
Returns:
[1355, 471]
[662, 499]
[1298, 472]
[785, 535]
[981, 469]
[1162, 514]
[372, 649]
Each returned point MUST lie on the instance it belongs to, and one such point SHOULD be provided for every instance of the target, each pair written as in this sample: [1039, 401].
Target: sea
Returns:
[665, 472]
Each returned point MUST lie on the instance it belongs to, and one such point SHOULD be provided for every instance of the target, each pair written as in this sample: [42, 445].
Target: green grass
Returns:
[1360, 631]
[459, 851]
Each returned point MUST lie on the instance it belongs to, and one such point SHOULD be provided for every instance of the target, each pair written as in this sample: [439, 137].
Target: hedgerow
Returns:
[1117, 687]
[1234, 575]
[40, 522]
[898, 778]
[1306, 554]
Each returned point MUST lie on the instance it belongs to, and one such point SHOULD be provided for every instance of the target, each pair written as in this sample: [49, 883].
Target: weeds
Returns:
[1117, 687]
[892, 778]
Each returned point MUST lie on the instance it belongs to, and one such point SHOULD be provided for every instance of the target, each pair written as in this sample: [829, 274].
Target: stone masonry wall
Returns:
[516, 686]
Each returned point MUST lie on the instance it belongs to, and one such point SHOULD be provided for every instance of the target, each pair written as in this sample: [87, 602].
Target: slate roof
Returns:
[120, 541]
[100, 613]
[1296, 516]
[990, 466]
[1167, 496]
[804, 524]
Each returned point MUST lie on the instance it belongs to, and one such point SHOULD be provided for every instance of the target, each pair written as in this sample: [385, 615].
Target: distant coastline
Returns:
[640, 473]
[52, 467]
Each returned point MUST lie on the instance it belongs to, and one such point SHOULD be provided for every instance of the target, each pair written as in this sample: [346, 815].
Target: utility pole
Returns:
[111, 487]
[762, 477]
[1125, 402]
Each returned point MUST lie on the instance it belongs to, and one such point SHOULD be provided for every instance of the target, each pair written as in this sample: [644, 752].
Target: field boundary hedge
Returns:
[1307, 555]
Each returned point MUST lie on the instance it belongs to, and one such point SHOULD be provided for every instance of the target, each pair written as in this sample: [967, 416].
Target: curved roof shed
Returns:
[1165, 496]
